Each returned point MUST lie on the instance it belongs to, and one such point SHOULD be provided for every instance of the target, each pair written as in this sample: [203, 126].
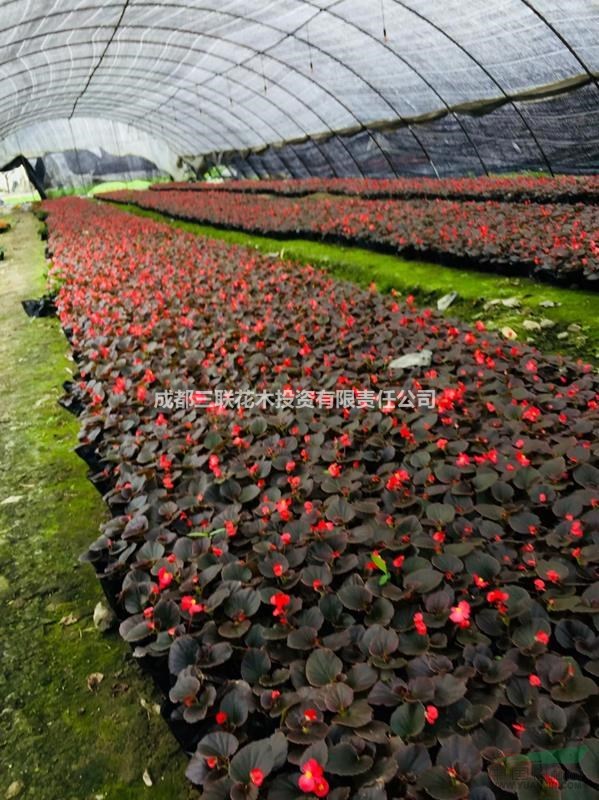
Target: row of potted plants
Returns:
[545, 189]
[558, 242]
[341, 601]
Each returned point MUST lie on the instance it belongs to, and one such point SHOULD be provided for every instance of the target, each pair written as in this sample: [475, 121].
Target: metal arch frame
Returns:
[562, 39]
[51, 112]
[244, 65]
[190, 130]
[330, 56]
[265, 142]
[411, 67]
[486, 72]
[236, 117]
[284, 35]
[176, 46]
[227, 109]
[101, 59]
[212, 130]
[420, 76]
[128, 119]
[51, 115]
[236, 64]
[222, 107]
[315, 143]
[182, 134]
[317, 48]
[206, 88]
[145, 90]
[117, 118]
[253, 54]
[352, 71]
[363, 126]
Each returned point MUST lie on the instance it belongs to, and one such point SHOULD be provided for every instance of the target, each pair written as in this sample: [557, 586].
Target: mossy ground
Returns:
[58, 739]
[428, 282]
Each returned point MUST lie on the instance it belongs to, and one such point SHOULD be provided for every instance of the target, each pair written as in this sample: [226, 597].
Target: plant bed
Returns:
[521, 188]
[554, 242]
[358, 602]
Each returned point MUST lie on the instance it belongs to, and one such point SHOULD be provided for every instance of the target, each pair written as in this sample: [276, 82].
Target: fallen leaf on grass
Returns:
[531, 325]
[149, 707]
[509, 333]
[104, 618]
[511, 302]
[70, 619]
[15, 789]
[13, 498]
[445, 301]
[94, 680]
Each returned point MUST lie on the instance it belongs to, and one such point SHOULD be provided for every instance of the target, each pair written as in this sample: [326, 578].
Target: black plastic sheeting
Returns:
[558, 134]
[43, 307]
[79, 168]
[34, 178]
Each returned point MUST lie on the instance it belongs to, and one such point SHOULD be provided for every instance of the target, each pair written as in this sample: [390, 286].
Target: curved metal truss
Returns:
[208, 76]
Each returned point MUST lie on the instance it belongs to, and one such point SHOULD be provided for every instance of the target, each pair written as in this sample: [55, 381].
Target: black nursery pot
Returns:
[44, 307]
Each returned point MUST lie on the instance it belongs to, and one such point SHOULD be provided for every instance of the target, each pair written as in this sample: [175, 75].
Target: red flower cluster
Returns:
[280, 601]
[460, 614]
[312, 779]
[256, 777]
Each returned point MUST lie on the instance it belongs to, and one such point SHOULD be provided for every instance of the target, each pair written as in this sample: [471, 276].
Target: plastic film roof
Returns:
[204, 76]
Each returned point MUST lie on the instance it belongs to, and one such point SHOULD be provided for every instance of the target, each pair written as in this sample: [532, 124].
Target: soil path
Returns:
[59, 740]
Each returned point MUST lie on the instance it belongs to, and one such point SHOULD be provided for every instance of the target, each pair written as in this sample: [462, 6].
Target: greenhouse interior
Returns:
[299, 400]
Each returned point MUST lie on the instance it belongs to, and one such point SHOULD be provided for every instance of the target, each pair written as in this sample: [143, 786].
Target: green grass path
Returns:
[58, 739]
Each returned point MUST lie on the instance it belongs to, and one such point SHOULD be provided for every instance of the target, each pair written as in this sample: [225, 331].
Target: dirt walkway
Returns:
[58, 739]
